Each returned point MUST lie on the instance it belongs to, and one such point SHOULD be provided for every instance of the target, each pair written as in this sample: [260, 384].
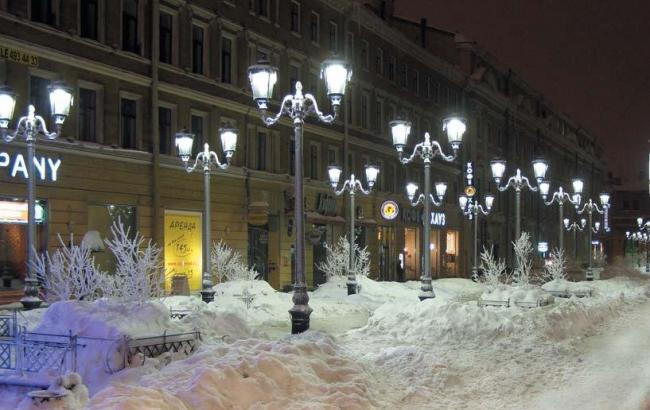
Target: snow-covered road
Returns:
[614, 370]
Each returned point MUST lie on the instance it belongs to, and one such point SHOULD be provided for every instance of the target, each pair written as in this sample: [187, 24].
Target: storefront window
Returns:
[450, 262]
[13, 240]
[100, 219]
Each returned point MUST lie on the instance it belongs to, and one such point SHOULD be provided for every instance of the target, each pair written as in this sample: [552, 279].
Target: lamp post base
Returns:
[426, 290]
[589, 275]
[207, 295]
[31, 300]
[474, 276]
[352, 287]
[300, 311]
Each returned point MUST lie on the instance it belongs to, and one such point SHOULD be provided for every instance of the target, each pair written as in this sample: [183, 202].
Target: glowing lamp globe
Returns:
[539, 168]
[578, 185]
[498, 167]
[489, 201]
[604, 199]
[336, 74]
[371, 175]
[7, 105]
[60, 101]
[334, 173]
[262, 77]
[411, 189]
[184, 141]
[441, 189]
[566, 222]
[462, 202]
[400, 131]
[544, 188]
[228, 140]
[455, 128]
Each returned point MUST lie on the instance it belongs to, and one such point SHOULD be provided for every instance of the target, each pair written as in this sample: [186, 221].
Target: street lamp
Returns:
[560, 196]
[207, 159]
[427, 150]
[352, 185]
[517, 182]
[642, 236]
[472, 209]
[263, 77]
[590, 207]
[575, 227]
[29, 127]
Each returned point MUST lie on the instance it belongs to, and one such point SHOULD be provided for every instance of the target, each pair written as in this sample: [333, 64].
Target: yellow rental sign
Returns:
[183, 251]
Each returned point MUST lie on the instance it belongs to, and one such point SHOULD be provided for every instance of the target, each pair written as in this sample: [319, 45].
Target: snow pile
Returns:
[307, 371]
[528, 296]
[567, 287]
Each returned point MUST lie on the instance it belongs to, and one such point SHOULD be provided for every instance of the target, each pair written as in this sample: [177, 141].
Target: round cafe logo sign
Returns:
[389, 210]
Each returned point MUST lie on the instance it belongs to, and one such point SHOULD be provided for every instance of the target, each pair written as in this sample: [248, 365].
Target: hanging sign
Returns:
[542, 247]
[183, 247]
[438, 219]
[470, 190]
[46, 168]
[389, 210]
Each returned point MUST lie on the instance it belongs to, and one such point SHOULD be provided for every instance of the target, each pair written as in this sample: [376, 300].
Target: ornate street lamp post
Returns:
[427, 150]
[472, 209]
[517, 182]
[352, 185]
[206, 159]
[298, 106]
[560, 196]
[575, 227]
[643, 237]
[590, 207]
[29, 127]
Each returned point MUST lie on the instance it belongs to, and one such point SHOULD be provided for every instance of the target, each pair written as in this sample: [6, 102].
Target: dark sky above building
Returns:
[590, 58]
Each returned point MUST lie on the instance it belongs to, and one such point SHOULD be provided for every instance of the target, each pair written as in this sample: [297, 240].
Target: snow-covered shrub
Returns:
[338, 256]
[69, 273]
[555, 268]
[139, 272]
[228, 264]
[523, 256]
[494, 271]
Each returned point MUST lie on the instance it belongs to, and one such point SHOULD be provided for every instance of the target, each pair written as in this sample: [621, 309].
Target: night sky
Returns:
[590, 58]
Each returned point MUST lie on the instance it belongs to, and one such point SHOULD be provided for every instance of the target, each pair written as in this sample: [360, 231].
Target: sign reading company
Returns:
[183, 250]
[389, 210]
[46, 168]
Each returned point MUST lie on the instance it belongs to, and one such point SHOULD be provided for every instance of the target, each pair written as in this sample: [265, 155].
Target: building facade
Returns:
[143, 69]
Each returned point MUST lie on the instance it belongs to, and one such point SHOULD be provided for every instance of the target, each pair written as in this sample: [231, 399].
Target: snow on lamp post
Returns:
[574, 227]
[590, 207]
[472, 209]
[298, 106]
[517, 182]
[455, 128]
[207, 160]
[352, 185]
[29, 127]
[560, 196]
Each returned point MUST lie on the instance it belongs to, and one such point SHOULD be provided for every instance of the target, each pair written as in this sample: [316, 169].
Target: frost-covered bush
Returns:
[69, 273]
[494, 271]
[228, 264]
[139, 272]
[523, 257]
[555, 268]
[338, 256]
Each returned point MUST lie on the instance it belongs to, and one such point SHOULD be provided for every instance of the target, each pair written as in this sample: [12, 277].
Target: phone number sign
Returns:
[18, 56]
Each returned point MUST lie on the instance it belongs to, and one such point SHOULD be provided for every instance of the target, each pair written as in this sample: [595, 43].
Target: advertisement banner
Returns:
[183, 251]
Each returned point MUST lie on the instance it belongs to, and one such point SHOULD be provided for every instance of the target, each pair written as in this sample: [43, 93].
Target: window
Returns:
[128, 113]
[39, 96]
[198, 35]
[42, 12]
[314, 27]
[294, 76]
[295, 17]
[427, 86]
[314, 162]
[130, 26]
[87, 115]
[364, 110]
[332, 156]
[165, 130]
[165, 34]
[226, 60]
[334, 34]
[365, 55]
[390, 67]
[416, 82]
[262, 138]
[379, 115]
[403, 75]
[379, 61]
[262, 8]
[89, 19]
[198, 129]
[349, 46]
